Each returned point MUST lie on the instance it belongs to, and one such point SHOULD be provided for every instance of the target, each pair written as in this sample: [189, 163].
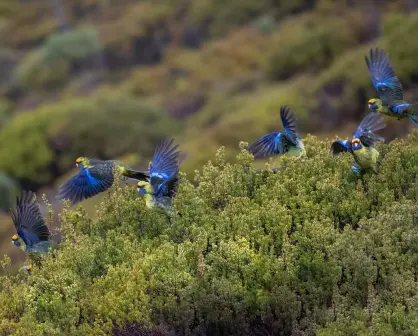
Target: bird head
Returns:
[374, 103]
[16, 240]
[82, 162]
[142, 187]
[356, 144]
[27, 268]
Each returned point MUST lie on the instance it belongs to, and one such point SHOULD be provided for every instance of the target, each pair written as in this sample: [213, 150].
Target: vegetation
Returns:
[106, 126]
[311, 248]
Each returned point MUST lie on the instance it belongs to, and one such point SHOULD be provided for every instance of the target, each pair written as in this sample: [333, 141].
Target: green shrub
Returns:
[8, 192]
[311, 44]
[312, 248]
[50, 64]
[72, 44]
[106, 125]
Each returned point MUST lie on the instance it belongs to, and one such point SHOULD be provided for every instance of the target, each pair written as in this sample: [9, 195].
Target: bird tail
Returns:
[139, 175]
[414, 119]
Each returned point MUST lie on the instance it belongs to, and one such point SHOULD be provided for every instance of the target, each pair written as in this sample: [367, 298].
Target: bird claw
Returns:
[125, 179]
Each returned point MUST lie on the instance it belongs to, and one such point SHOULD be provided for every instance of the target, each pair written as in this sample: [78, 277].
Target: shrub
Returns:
[105, 125]
[310, 248]
[310, 45]
[51, 63]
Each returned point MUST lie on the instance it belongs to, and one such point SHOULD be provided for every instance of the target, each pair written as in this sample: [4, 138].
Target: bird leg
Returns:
[125, 179]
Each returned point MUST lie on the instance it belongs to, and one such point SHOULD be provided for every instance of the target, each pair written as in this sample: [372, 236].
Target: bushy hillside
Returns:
[221, 68]
[310, 248]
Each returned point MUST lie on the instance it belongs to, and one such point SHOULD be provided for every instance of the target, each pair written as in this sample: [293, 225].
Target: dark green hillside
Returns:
[310, 249]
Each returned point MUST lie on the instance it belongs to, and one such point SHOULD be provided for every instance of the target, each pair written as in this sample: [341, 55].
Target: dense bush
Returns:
[311, 42]
[310, 248]
[51, 63]
[105, 125]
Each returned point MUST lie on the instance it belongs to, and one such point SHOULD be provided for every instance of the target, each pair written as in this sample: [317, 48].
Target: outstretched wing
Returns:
[268, 145]
[339, 146]
[289, 124]
[383, 77]
[365, 131]
[87, 183]
[164, 166]
[28, 220]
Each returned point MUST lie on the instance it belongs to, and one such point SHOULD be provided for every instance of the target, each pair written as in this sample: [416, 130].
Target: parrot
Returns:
[280, 143]
[366, 157]
[388, 87]
[33, 236]
[94, 177]
[163, 172]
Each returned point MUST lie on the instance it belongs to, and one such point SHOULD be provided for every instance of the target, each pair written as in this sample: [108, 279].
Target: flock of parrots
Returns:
[159, 183]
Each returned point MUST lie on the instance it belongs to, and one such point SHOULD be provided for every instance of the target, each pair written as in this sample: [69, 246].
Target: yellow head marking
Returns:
[141, 184]
[79, 160]
[355, 141]
[372, 101]
[15, 237]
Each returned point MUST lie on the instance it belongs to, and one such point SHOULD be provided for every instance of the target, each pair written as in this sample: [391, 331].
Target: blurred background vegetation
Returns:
[111, 78]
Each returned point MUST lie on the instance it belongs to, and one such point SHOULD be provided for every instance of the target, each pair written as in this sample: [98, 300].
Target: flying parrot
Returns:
[94, 177]
[366, 157]
[33, 235]
[388, 87]
[280, 143]
[163, 172]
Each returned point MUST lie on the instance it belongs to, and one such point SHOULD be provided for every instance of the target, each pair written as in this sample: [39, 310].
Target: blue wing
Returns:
[414, 119]
[356, 168]
[339, 146]
[87, 183]
[289, 124]
[268, 145]
[383, 77]
[28, 220]
[365, 131]
[164, 166]
[401, 108]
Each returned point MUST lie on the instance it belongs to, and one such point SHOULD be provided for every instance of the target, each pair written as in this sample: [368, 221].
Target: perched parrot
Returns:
[94, 177]
[33, 235]
[361, 146]
[388, 87]
[280, 143]
[163, 172]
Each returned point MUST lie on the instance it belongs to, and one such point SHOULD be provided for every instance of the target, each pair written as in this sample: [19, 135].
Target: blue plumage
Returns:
[29, 223]
[339, 146]
[279, 143]
[373, 122]
[414, 119]
[384, 78]
[88, 182]
[164, 167]
[361, 144]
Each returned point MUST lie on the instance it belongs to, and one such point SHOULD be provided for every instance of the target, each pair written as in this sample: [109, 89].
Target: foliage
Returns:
[311, 44]
[8, 191]
[51, 63]
[310, 248]
[105, 126]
